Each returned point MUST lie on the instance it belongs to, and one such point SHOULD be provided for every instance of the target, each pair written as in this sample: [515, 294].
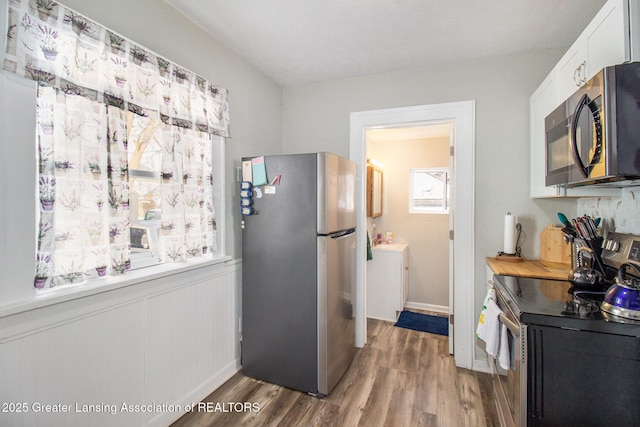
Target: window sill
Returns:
[96, 286]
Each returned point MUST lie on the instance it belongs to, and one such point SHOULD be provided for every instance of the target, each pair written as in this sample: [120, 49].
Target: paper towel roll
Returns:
[509, 234]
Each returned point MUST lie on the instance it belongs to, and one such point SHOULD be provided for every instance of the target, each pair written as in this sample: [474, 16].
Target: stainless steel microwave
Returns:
[594, 136]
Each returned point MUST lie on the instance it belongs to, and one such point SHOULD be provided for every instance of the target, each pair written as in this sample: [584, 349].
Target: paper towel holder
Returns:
[502, 256]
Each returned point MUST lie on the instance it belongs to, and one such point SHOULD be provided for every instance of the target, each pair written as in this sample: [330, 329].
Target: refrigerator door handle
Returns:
[342, 234]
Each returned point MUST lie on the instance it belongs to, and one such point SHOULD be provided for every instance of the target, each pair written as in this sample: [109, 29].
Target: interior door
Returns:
[452, 174]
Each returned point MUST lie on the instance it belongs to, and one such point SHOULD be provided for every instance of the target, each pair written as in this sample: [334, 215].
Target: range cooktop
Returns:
[558, 303]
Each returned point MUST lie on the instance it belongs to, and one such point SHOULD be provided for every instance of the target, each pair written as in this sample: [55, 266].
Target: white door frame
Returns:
[461, 287]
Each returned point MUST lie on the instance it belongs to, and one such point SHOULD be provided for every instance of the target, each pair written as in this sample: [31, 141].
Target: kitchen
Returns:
[268, 118]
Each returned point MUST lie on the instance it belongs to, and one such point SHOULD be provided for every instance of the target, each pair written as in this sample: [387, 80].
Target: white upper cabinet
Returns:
[541, 103]
[607, 37]
[604, 42]
[570, 70]
[610, 38]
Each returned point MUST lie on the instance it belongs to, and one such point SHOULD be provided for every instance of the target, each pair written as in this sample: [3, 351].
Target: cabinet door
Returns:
[384, 285]
[541, 103]
[604, 42]
[570, 70]
[607, 37]
[580, 378]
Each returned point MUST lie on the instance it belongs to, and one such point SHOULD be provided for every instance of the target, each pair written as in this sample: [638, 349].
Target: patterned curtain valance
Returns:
[55, 46]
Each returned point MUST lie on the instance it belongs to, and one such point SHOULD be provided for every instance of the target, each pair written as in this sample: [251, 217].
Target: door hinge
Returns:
[450, 234]
[451, 319]
[451, 150]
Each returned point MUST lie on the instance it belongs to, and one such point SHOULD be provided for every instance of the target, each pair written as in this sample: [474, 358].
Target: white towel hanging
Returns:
[504, 356]
[488, 329]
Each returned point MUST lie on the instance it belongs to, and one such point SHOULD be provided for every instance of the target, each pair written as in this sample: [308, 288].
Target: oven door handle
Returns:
[510, 324]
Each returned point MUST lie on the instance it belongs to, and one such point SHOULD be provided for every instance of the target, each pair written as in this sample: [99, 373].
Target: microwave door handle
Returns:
[572, 135]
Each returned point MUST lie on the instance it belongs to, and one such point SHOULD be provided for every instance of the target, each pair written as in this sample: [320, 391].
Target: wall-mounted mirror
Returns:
[374, 191]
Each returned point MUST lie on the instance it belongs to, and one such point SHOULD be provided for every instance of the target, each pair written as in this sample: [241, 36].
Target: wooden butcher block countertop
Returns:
[530, 268]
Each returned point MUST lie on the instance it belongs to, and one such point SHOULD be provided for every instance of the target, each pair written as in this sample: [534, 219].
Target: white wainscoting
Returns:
[168, 341]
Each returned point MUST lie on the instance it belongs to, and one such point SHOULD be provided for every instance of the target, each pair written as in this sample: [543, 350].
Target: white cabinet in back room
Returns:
[387, 281]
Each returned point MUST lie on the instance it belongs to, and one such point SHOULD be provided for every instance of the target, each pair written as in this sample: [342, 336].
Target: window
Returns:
[170, 175]
[144, 155]
[118, 191]
[429, 190]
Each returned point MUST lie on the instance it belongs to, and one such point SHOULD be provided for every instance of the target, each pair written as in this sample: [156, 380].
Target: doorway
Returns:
[417, 162]
[461, 117]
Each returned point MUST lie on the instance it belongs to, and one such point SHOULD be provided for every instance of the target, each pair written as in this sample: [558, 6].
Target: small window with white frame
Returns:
[429, 191]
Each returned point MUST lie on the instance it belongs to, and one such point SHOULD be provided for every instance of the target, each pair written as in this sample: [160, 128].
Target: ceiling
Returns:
[303, 41]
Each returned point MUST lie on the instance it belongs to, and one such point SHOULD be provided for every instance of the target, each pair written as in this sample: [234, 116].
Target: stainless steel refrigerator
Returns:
[298, 273]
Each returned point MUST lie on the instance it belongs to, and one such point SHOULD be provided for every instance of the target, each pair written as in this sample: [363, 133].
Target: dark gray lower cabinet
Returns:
[580, 378]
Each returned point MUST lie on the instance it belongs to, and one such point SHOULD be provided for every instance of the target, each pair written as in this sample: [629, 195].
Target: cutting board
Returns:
[553, 247]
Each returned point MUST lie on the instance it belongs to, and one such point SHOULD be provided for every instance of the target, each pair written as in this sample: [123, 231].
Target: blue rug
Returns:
[423, 322]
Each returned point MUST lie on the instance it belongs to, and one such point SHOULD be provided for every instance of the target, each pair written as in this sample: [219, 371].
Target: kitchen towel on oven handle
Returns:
[493, 332]
[504, 356]
[488, 329]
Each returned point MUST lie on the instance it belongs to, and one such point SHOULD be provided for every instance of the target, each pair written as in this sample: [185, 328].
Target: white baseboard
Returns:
[197, 395]
[428, 307]
[384, 319]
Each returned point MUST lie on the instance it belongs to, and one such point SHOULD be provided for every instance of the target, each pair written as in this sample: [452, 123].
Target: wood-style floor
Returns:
[400, 378]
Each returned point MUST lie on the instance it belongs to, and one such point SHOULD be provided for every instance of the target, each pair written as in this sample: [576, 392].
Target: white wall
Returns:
[426, 234]
[171, 338]
[316, 117]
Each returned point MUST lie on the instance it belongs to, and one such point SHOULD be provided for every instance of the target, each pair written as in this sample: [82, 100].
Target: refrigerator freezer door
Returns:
[336, 295]
[336, 193]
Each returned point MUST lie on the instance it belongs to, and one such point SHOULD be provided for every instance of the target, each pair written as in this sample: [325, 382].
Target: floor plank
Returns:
[375, 411]
[400, 378]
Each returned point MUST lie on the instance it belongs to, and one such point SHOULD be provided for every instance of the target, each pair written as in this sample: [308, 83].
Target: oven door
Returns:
[510, 384]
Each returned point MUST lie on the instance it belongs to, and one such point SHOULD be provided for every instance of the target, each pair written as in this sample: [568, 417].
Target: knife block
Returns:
[553, 248]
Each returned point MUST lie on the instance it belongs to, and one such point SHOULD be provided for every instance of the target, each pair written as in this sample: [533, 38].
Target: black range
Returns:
[572, 363]
[556, 303]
